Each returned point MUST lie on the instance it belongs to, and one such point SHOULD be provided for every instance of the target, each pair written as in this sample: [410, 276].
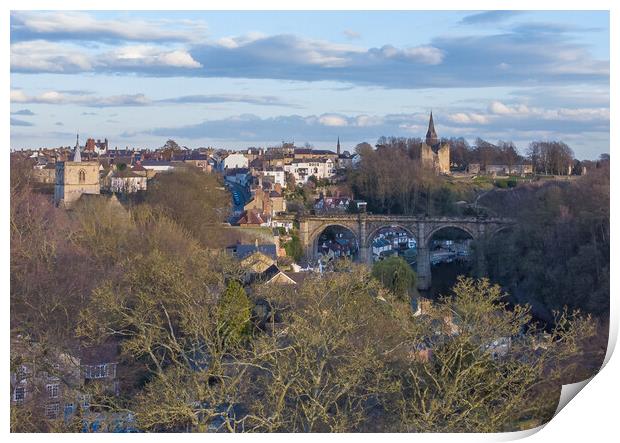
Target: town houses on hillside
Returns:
[260, 179]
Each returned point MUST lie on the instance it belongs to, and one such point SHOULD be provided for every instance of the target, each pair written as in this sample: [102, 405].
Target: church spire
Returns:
[431, 135]
[77, 157]
[338, 147]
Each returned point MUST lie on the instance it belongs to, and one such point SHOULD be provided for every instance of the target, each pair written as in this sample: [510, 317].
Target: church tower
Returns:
[74, 178]
[433, 155]
[431, 136]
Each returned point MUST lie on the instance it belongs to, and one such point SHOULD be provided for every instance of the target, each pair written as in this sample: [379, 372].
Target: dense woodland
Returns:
[341, 352]
[547, 157]
[562, 240]
[391, 180]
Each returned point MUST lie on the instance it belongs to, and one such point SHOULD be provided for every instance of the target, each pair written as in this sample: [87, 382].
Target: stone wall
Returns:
[74, 179]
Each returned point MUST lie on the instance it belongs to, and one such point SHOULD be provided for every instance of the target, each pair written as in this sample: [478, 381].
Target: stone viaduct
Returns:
[365, 227]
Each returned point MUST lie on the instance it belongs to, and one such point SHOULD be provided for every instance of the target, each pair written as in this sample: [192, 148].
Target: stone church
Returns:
[433, 154]
[74, 178]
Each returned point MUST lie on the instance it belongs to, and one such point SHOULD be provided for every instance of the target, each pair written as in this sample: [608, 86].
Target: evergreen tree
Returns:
[235, 310]
[396, 275]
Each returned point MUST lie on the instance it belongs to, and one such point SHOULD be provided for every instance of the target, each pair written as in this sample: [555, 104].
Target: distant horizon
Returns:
[238, 79]
[267, 145]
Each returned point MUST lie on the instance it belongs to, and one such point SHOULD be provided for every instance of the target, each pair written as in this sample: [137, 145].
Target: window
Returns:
[100, 371]
[84, 400]
[22, 372]
[53, 390]
[20, 394]
[53, 376]
[69, 409]
[52, 410]
[82, 176]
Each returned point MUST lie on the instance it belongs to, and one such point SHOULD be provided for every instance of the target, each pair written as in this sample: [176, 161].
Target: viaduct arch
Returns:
[364, 226]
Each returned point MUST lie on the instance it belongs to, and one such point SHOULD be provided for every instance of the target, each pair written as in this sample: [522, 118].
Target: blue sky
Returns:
[237, 79]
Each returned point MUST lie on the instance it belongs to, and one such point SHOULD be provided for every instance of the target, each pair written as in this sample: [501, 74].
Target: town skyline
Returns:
[233, 80]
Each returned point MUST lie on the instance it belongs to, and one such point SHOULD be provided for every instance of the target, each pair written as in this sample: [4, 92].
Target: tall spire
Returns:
[338, 147]
[77, 157]
[431, 135]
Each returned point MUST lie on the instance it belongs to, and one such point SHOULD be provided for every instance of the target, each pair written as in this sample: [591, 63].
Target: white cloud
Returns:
[427, 55]
[87, 99]
[18, 96]
[40, 55]
[468, 117]
[57, 98]
[368, 120]
[150, 56]
[352, 35]
[82, 26]
[424, 54]
[569, 114]
[235, 42]
[332, 120]
[499, 108]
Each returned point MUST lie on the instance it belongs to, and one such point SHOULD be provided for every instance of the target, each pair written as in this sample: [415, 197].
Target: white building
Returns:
[233, 161]
[380, 245]
[302, 169]
[238, 176]
[127, 182]
[157, 165]
[286, 224]
[276, 176]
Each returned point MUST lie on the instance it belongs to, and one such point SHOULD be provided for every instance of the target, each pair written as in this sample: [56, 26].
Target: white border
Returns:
[591, 418]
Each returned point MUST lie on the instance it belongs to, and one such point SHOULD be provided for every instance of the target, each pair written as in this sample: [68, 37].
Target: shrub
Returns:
[396, 275]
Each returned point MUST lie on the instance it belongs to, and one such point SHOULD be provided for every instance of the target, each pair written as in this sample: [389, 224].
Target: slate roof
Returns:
[156, 163]
[298, 277]
[304, 151]
[125, 174]
[242, 251]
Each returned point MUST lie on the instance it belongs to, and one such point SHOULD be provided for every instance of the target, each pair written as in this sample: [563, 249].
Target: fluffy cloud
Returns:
[368, 120]
[555, 123]
[43, 56]
[568, 114]
[468, 118]
[499, 108]
[524, 54]
[427, 55]
[519, 56]
[142, 55]
[27, 25]
[332, 120]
